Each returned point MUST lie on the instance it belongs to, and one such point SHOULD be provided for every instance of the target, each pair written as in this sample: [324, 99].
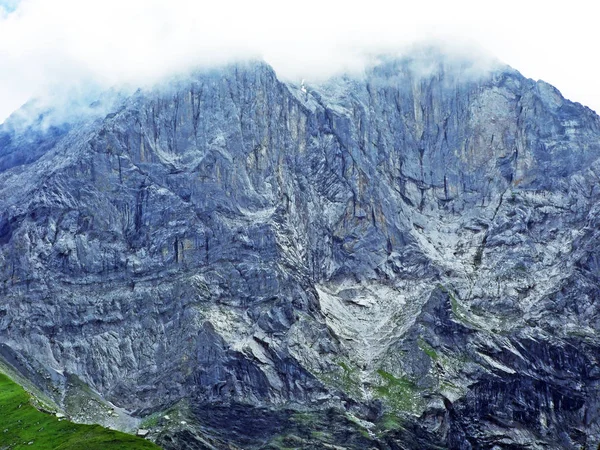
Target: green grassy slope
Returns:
[24, 427]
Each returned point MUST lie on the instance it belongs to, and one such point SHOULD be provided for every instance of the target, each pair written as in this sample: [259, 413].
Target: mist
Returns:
[62, 49]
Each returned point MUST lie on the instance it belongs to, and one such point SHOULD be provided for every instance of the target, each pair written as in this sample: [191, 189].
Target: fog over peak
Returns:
[50, 47]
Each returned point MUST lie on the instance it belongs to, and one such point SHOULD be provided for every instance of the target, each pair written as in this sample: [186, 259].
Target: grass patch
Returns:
[22, 424]
[389, 421]
[305, 419]
[350, 380]
[460, 312]
[401, 394]
[428, 349]
[151, 421]
[319, 435]
[347, 379]
[287, 442]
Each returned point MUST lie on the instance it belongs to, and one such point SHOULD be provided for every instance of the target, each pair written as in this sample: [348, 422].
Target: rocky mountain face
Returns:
[402, 259]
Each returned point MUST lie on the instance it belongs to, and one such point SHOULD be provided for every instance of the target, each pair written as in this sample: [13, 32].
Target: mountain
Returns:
[406, 258]
[24, 426]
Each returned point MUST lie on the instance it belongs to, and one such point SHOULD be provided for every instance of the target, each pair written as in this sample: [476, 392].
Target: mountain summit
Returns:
[402, 259]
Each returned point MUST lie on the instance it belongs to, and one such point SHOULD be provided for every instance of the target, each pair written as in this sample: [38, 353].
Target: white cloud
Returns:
[49, 45]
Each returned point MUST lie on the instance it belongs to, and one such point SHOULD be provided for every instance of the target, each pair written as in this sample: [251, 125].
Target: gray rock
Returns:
[404, 259]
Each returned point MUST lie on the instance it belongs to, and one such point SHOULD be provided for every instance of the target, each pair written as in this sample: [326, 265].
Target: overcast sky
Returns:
[51, 45]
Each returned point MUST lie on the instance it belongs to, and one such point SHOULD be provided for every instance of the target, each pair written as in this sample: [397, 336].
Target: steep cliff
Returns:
[401, 259]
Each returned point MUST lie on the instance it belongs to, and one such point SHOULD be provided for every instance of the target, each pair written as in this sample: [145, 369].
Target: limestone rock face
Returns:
[402, 259]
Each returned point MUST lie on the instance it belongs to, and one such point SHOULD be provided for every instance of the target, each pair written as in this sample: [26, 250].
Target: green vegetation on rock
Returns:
[427, 349]
[400, 394]
[22, 426]
[389, 421]
[346, 378]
